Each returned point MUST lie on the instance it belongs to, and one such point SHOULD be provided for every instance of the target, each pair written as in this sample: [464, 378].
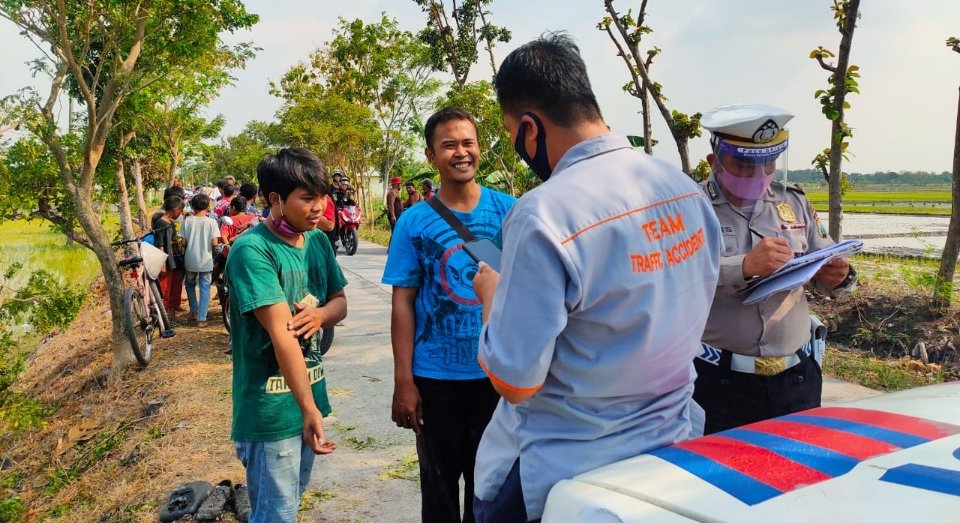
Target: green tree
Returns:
[682, 127]
[236, 155]
[499, 165]
[842, 80]
[340, 132]
[455, 35]
[943, 284]
[385, 69]
[104, 51]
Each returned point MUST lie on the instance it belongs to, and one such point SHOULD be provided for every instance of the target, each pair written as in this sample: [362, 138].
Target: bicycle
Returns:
[142, 306]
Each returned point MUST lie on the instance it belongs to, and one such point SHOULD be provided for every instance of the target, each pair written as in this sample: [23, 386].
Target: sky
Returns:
[714, 52]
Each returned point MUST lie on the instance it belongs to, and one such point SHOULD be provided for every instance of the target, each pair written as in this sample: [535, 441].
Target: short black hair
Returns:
[248, 190]
[239, 204]
[200, 202]
[445, 115]
[549, 75]
[171, 203]
[174, 190]
[228, 189]
[290, 168]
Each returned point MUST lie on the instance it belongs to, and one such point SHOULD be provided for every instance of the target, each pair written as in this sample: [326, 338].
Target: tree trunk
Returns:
[683, 147]
[647, 123]
[100, 245]
[836, 138]
[678, 134]
[138, 187]
[123, 198]
[123, 205]
[174, 163]
[943, 285]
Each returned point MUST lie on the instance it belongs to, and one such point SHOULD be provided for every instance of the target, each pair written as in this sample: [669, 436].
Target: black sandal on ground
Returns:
[185, 500]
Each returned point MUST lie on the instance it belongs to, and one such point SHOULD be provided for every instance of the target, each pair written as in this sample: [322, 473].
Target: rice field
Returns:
[34, 245]
[902, 200]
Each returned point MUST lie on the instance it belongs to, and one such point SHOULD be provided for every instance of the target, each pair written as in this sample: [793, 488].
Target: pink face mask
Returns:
[744, 188]
[284, 228]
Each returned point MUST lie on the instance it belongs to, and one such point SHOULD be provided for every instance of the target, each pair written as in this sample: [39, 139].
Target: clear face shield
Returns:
[746, 170]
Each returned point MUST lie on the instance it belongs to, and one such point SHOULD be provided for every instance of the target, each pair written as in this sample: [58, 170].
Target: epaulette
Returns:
[796, 188]
[709, 187]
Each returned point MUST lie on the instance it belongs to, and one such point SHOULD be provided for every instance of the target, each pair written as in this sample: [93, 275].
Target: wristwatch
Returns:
[849, 280]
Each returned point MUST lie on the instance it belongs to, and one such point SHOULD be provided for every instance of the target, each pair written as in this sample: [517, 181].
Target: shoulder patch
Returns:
[796, 188]
[710, 188]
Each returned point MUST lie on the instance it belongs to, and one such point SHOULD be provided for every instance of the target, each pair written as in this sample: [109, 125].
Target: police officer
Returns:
[760, 361]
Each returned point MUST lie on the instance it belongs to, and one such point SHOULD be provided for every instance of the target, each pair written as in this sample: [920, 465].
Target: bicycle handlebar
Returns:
[124, 242]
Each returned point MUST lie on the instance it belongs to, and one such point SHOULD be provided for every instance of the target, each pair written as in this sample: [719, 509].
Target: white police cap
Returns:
[755, 123]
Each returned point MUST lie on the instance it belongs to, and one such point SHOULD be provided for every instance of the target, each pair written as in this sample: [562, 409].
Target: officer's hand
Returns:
[833, 272]
[769, 255]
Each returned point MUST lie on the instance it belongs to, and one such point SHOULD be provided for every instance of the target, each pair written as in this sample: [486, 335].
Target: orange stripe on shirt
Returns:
[504, 384]
[628, 213]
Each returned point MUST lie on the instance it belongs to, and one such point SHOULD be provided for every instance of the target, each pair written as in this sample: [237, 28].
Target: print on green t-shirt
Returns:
[264, 270]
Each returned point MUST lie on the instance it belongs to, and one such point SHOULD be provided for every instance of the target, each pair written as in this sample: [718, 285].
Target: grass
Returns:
[928, 202]
[375, 234]
[35, 246]
[886, 375]
[311, 498]
[408, 468]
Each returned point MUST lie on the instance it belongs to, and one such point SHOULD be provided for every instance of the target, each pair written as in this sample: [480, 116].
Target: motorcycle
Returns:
[350, 218]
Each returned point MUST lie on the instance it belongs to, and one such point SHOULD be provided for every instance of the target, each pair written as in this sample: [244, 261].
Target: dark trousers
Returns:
[732, 398]
[455, 414]
[508, 505]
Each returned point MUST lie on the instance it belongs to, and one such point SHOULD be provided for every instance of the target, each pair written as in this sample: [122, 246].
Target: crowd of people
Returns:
[610, 331]
[396, 204]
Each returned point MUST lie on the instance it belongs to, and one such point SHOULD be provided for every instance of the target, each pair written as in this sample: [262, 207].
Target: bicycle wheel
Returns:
[326, 340]
[158, 301]
[139, 325]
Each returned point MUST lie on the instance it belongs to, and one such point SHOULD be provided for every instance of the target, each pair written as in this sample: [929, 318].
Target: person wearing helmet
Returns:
[762, 360]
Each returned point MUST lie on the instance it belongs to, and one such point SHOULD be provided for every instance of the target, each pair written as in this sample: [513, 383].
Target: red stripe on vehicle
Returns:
[756, 462]
[919, 427]
[852, 445]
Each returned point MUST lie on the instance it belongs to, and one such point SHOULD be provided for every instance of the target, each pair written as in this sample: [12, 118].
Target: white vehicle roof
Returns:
[894, 457]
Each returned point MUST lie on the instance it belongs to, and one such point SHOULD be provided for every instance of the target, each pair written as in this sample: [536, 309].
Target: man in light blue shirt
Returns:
[609, 269]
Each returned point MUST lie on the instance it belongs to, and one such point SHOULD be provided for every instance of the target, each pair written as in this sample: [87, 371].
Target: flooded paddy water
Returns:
[896, 234]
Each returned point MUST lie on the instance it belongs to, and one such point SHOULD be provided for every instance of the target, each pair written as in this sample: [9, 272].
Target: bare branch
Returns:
[825, 65]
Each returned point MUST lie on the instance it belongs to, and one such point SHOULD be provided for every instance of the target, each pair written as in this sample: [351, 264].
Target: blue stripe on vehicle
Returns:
[818, 458]
[740, 486]
[928, 478]
[892, 437]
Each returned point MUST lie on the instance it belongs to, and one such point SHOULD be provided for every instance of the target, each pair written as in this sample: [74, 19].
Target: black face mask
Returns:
[538, 164]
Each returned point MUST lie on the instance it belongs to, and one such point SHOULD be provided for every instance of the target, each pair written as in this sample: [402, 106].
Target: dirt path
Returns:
[373, 475]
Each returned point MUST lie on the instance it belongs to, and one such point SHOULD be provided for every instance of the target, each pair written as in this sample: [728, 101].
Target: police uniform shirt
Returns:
[609, 269]
[780, 325]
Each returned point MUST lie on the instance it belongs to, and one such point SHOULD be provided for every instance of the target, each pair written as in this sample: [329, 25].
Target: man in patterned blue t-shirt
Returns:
[440, 391]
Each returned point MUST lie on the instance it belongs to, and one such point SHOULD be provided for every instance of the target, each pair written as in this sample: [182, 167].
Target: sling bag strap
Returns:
[448, 216]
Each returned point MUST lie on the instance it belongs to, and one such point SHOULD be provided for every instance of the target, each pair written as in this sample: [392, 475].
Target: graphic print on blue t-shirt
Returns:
[426, 252]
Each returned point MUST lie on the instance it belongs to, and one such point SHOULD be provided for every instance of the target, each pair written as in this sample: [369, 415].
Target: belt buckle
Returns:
[766, 366]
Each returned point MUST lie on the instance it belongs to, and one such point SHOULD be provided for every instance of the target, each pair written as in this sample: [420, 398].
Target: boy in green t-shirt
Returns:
[285, 286]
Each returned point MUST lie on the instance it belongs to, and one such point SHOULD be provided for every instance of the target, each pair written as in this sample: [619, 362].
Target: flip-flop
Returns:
[241, 502]
[185, 500]
[217, 502]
